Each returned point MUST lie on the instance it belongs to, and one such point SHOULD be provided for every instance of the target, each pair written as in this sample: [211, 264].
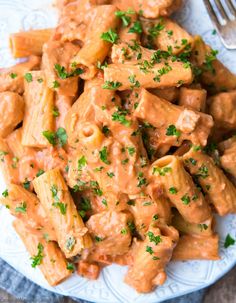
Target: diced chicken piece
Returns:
[110, 232]
[193, 98]
[187, 121]
[12, 78]
[223, 109]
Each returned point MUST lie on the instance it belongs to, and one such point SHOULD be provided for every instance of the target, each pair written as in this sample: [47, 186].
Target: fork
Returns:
[223, 16]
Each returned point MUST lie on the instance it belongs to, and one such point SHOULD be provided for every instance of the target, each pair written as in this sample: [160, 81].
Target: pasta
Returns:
[117, 142]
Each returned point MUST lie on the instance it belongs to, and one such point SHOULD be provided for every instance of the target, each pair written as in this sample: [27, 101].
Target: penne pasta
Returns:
[151, 257]
[175, 72]
[220, 191]
[29, 43]
[197, 248]
[179, 188]
[59, 206]
[96, 49]
[25, 206]
[45, 254]
[204, 229]
[178, 125]
[38, 111]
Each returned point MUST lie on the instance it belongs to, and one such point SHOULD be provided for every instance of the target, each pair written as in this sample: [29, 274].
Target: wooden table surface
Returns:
[224, 291]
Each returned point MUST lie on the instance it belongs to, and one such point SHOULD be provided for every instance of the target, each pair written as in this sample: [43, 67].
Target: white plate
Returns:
[183, 277]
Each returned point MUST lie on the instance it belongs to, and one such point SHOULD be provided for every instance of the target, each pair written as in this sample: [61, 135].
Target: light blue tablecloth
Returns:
[20, 287]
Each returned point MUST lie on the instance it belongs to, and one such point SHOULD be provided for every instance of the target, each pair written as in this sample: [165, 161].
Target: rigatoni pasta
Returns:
[54, 195]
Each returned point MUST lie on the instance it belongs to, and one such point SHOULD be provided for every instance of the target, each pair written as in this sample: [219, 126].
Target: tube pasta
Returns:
[53, 264]
[197, 248]
[25, 206]
[8, 164]
[170, 36]
[219, 189]
[122, 72]
[203, 229]
[55, 197]
[193, 98]
[216, 79]
[11, 112]
[192, 125]
[151, 258]
[180, 189]
[38, 111]
[29, 43]
[96, 49]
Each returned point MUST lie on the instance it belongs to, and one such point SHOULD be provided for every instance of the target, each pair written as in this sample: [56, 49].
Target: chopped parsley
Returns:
[40, 172]
[5, 193]
[126, 20]
[98, 239]
[149, 250]
[59, 137]
[104, 202]
[28, 77]
[55, 112]
[104, 155]
[110, 36]
[37, 259]
[209, 59]
[57, 203]
[173, 190]
[141, 180]
[26, 184]
[124, 231]
[133, 81]
[203, 226]
[131, 202]
[112, 85]
[161, 171]
[21, 208]
[172, 131]
[50, 136]
[154, 31]
[62, 74]
[229, 241]
[70, 266]
[185, 199]
[96, 188]
[13, 75]
[15, 160]
[136, 28]
[110, 174]
[82, 162]
[203, 172]
[131, 150]
[55, 84]
[120, 116]
[152, 238]
[105, 130]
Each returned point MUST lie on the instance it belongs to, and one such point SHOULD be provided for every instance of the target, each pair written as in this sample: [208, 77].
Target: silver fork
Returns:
[223, 16]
